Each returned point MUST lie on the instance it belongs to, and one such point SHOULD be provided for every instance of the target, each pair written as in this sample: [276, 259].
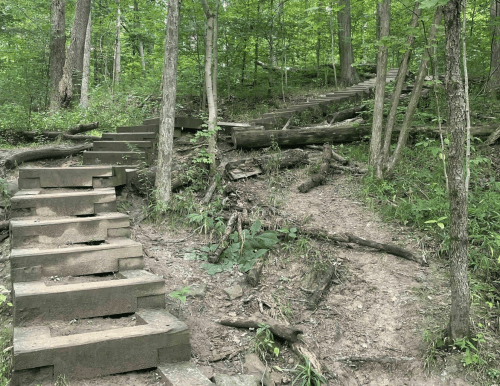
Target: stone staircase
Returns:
[74, 266]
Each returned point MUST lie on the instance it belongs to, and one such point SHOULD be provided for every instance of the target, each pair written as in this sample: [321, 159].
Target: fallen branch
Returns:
[492, 138]
[53, 135]
[339, 158]
[288, 123]
[319, 178]
[323, 283]
[214, 258]
[4, 225]
[347, 113]
[351, 169]
[383, 360]
[48, 152]
[83, 128]
[213, 184]
[278, 329]
[301, 350]
[389, 248]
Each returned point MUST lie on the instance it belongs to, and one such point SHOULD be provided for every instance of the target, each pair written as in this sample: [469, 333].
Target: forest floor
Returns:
[381, 306]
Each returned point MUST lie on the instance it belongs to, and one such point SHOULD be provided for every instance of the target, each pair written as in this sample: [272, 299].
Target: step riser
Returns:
[129, 137]
[78, 177]
[160, 339]
[124, 158]
[138, 129]
[185, 122]
[45, 205]
[143, 146]
[37, 301]
[33, 265]
[94, 229]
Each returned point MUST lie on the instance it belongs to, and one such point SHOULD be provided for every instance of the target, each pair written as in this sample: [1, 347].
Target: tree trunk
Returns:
[140, 44]
[494, 81]
[415, 95]
[332, 36]
[75, 50]
[209, 84]
[348, 74]
[117, 66]
[384, 12]
[57, 49]
[459, 326]
[84, 95]
[163, 181]
[400, 80]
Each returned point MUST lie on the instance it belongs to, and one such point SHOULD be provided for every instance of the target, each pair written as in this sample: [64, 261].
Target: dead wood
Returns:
[351, 169]
[383, 360]
[4, 225]
[323, 283]
[254, 275]
[83, 128]
[492, 138]
[213, 183]
[53, 135]
[278, 329]
[339, 158]
[389, 248]
[344, 123]
[44, 153]
[347, 113]
[301, 350]
[288, 123]
[214, 258]
[319, 178]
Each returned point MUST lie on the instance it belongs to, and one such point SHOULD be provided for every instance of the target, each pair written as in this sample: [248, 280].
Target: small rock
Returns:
[254, 366]
[290, 361]
[197, 290]
[236, 380]
[207, 371]
[234, 292]
[285, 380]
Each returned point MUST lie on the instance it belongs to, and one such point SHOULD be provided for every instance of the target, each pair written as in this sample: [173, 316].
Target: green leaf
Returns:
[256, 226]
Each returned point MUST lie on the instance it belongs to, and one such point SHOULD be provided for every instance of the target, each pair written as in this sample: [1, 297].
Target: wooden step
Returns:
[116, 157]
[121, 294]
[145, 146]
[80, 176]
[180, 122]
[137, 136]
[138, 129]
[62, 202]
[68, 230]
[157, 337]
[116, 254]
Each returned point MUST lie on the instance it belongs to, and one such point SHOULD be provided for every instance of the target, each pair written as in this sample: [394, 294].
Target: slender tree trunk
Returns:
[57, 49]
[139, 43]
[400, 81]
[459, 326]
[209, 84]
[84, 95]
[75, 50]
[163, 180]
[494, 81]
[384, 12]
[348, 74]
[117, 65]
[332, 35]
[415, 95]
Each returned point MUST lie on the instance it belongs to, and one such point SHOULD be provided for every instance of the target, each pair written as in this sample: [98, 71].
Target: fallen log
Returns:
[351, 169]
[56, 134]
[213, 184]
[339, 158]
[291, 334]
[44, 153]
[342, 133]
[4, 225]
[352, 122]
[301, 350]
[83, 128]
[352, 112]
[319, 178]
[248, 167]
[492, 138]
[214, 258]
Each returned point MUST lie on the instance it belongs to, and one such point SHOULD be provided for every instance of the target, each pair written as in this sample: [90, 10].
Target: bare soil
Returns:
[367, 330]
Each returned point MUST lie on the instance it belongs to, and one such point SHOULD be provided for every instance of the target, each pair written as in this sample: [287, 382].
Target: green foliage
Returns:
[181, 294]
[244, 251]
[307, 376]
[263, 342]
[470, 347]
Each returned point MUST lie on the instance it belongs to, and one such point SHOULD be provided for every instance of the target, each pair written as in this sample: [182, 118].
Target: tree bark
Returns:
[57, 49]
[84, 95]
[459, 325]
[117, 63]
[415, 95]
[383, 12]
[209, 84]
[140, 43]
[494, 76]
[400, 80]
[75, 52]
[48, 152]
[348, 74]
[163, 181]
[319, 178]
